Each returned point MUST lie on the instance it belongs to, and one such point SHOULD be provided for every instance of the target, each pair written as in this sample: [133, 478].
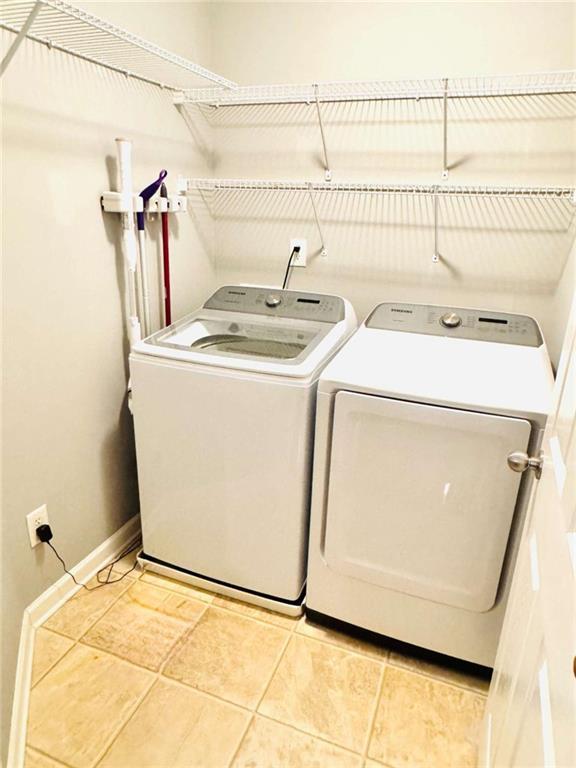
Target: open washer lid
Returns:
[286, 333]
[241, 337]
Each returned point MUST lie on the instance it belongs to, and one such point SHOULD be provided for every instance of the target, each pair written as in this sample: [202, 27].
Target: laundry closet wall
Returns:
[502, 254]
[67, 434]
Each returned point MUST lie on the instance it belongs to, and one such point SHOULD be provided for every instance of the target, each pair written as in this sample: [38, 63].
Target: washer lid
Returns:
[240, 337]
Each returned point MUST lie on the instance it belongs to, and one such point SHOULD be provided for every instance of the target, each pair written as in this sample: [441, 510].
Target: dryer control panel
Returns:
[458, 322]
[278, 303]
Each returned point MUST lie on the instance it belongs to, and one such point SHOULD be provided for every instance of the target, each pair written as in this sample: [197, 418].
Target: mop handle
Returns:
[166, 260]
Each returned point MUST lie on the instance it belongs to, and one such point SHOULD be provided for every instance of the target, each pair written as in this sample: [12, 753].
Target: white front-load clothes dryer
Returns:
[415, 510]
[224, 403]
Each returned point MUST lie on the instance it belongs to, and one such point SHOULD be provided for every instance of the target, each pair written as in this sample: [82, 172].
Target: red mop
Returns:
[166, 261]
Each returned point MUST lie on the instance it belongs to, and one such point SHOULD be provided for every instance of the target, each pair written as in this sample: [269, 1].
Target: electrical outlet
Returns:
[299, 259]
[33, 520]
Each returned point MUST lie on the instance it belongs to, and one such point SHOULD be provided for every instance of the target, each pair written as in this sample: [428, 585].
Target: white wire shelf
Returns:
[66, 28]
[216, 185]
[533, 84]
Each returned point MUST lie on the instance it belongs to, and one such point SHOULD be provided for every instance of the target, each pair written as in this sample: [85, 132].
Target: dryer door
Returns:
[420, 497]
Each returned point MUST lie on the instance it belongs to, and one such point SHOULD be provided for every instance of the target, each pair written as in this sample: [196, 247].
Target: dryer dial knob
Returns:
[451, 320]
[272, 300]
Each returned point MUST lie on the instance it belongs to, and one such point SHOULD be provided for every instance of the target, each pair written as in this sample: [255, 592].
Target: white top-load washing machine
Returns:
[415, 511]
[224, 404]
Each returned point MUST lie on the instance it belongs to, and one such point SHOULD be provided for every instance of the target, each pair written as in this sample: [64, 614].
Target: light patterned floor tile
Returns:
[325, 691]
[77, 615]
[271, 745]
[176, 586]
[256, 612]
[178, 727]
[424, 723]
[48, 649]
[76, 708]
[145, 624]
[342, 639]
[228, 655]
[469, 680]
[33, 759]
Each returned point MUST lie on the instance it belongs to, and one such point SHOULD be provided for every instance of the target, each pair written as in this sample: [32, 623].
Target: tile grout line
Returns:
[374, 714]
[76, 597]
[226, 608]
[157, 675]
[265, 691]
[116, 732]
[316, 736]
[43, 675]
[50, 757]
[428, 676]
[345, 649]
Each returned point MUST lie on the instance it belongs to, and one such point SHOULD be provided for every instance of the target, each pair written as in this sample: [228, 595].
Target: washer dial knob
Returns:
[451, 320]
[273, 300]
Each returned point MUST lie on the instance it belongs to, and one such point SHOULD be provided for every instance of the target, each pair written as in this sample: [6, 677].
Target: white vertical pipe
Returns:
[124, 155]
[144, 281]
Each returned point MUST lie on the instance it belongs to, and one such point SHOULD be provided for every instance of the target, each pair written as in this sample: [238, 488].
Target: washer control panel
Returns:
[457, 322]
[278, 303]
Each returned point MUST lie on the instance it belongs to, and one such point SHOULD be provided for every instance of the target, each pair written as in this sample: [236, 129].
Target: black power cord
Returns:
[295, 250]
[44, 533]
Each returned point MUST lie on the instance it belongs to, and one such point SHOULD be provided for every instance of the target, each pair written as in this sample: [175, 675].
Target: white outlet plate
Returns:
[33, 520]
[299, 259]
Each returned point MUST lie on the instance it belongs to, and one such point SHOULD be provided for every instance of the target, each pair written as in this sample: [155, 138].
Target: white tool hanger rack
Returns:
[435, 191]
[442, 89]
[66, 28]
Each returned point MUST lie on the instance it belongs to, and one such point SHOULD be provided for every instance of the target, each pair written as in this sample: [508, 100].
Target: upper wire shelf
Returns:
[533, 84]
[66, 28]
[215, 185]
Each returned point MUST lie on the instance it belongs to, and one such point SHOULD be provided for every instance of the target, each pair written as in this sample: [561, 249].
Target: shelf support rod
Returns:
[436, 254]
[20, 36]
[323, 251]
[445, 129]
[327, 171]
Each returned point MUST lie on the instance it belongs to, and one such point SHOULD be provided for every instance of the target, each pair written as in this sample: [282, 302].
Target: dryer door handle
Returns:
[519, 461]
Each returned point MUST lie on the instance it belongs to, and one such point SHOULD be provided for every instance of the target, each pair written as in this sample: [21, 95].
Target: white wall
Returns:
[504, 255]
[67, 435]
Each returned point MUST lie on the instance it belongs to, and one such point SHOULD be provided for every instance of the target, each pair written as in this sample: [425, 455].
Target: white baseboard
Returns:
[37, 613]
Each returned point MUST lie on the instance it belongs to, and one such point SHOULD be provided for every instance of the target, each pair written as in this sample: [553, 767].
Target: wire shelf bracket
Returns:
[327, 171]
[323, 249]
[436, 253]
[71, 30]
[445, 130]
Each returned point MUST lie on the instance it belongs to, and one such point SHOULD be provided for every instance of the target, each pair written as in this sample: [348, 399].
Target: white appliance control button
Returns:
[272, 300]
[451, 320]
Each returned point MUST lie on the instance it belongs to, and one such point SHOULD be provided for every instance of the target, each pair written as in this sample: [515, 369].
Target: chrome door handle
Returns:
[519, 461]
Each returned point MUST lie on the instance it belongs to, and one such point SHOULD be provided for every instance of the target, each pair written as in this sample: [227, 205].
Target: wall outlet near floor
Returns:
[299, 259]
[33, 520]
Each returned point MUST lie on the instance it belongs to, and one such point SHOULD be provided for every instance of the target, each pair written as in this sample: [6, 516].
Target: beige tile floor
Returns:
[151, 673]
